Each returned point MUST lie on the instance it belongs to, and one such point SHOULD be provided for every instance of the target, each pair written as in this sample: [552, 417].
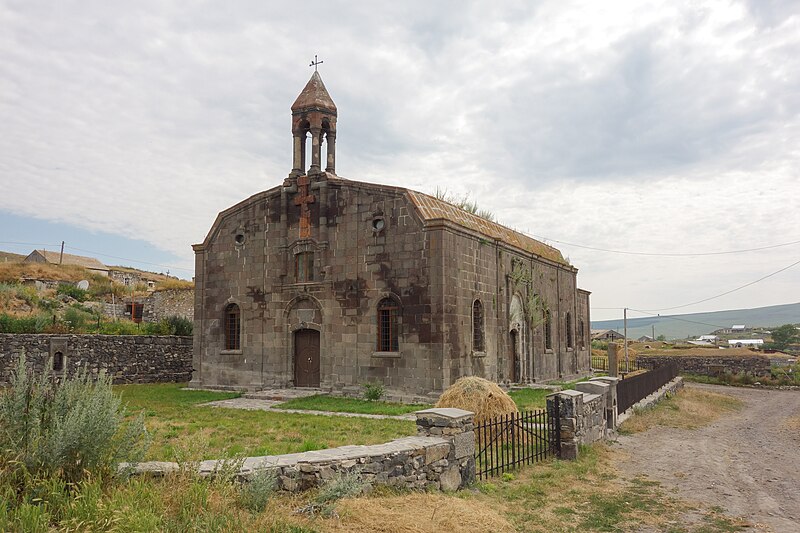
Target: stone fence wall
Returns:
[440, 457]
[585, 414]
[756, 364]
[127, 358]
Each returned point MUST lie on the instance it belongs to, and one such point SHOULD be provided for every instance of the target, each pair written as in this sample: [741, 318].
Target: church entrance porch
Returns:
[306, 358]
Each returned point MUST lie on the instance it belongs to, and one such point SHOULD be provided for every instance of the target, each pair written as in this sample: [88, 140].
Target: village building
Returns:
[58, 258]
[326, 282]
[606, 335]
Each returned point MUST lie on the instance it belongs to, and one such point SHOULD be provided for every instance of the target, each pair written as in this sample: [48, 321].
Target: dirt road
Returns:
[748, 463]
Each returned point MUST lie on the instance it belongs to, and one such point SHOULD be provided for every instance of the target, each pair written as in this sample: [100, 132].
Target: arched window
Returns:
[387, 326]
[58, 362]
[478, 344]
[548, 331]
[568, 325]
[581, 334]
[233, 325]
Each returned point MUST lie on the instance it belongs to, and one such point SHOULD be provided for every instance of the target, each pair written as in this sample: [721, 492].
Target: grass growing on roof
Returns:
[175, 417]
[321, 402]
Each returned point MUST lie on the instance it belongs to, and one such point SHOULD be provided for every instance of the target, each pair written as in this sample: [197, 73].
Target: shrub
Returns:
[68, 429]
[77, 319]
[373, 391]
[73, 292]
[120, 327]
[13, 324]
[254, 494]
[179, 325]
[343, 485]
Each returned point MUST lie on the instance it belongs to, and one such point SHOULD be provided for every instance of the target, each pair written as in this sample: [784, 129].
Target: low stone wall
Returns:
[757, 364]
[582, 415]
[440, 457]
[127, 358]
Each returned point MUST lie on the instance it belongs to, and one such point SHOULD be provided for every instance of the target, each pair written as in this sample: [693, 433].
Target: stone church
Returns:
[326, 282]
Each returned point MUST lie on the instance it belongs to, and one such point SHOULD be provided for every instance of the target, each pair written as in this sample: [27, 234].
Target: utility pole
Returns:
[625, 333]
[654, 332]
[61, 257]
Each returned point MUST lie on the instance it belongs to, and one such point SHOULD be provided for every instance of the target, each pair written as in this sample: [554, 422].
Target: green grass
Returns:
[321, 402]
[528, 399]
[180, 426]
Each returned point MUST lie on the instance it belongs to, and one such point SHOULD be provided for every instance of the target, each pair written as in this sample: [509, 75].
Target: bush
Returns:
[67, 429]
[179, 325]
[373, 391]
[13, 324]
[254, 494]
[77, 319]
[343, 485]
[73, 292]
[120, 327]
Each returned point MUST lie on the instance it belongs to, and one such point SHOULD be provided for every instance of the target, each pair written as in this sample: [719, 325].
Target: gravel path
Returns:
[747, 463]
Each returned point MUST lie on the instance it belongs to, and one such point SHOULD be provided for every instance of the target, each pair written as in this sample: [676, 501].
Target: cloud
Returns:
[635, 125]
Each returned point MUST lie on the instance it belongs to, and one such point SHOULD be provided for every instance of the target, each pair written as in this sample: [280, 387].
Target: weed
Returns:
[256, 492]
[373, 391]
[343, 485]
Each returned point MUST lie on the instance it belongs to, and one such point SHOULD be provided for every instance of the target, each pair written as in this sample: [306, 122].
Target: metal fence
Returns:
[634, 388]
[601, 364]
[509, 441]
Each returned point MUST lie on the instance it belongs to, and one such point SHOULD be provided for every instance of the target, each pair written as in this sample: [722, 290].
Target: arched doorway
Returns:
[306, 358]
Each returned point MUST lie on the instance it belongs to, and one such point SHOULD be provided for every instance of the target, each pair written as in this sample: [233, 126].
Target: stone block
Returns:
[450, 479]
[436, 453]
[464, 445]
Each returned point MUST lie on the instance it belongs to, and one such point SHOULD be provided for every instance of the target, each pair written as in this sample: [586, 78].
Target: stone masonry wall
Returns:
[758, 365]
[127, 358]
[440, 457]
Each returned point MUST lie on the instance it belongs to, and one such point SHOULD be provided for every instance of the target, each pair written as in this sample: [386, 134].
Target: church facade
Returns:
[326, 282]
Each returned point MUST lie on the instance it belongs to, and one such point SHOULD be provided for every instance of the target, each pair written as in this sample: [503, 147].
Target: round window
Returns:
[239, 238]
[378, 224]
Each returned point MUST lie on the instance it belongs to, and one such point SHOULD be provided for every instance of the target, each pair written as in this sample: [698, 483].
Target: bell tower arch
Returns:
[314, 113]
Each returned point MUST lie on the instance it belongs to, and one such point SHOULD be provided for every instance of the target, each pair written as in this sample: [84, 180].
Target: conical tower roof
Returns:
[314, 95]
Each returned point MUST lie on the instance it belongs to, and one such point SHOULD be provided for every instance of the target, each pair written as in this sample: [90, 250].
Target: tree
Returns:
[661, 338]
[784, 335]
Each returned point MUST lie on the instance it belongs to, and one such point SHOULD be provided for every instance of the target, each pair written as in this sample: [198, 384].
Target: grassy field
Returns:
[582, 495]
[179, 425]
[689, 409]
[528, 399]
[334, 404]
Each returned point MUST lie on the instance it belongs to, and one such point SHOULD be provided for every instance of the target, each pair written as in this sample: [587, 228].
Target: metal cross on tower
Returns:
[315, 63]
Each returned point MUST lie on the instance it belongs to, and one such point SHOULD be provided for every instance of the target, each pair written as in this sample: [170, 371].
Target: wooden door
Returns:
[306, 358]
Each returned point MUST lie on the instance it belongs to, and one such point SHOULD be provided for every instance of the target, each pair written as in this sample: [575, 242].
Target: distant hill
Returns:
[683, 326]
[8, 257]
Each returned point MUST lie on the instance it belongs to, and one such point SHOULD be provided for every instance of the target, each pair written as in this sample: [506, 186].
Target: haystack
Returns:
[481, 396]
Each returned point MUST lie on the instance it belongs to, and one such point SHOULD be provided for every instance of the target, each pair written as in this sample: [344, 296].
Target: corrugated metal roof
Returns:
[431, 208]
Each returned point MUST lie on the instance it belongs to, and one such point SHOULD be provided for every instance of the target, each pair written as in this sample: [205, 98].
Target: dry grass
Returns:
[12, 272]
[707, 352]
[174, 284]
[417, 513]
[689, 409]
[481, 396]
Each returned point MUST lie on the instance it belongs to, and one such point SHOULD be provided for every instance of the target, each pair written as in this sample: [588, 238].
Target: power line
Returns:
[730, 291]
[668, 317]
[127, 259]
[51, 245]
[662, 254]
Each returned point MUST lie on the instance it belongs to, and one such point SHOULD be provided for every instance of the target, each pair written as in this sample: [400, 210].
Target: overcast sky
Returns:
[667, 127]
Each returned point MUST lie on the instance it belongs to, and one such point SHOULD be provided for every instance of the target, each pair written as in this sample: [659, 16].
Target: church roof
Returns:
[314, 95]
[431, 208]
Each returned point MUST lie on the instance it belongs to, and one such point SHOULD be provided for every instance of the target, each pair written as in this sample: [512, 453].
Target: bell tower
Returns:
[314, 112]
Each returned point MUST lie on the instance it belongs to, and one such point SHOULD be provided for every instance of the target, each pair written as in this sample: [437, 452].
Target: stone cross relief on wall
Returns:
[303, 199]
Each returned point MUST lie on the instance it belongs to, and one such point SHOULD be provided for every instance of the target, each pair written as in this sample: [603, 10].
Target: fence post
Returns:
[567, 407]
[612, 408]
[457, 426]
[613, 368]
